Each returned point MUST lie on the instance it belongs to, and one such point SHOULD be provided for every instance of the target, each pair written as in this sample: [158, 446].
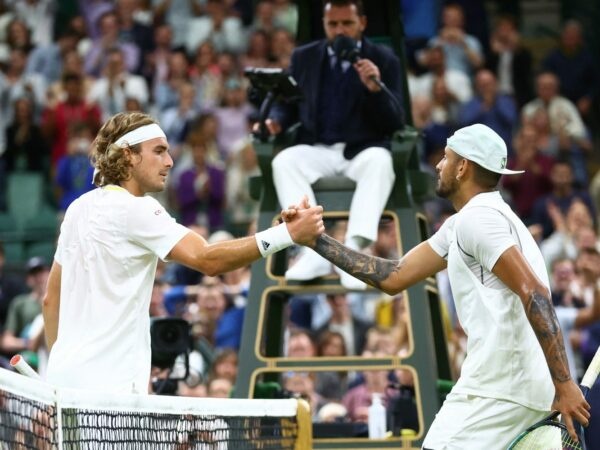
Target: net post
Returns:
[304, 421]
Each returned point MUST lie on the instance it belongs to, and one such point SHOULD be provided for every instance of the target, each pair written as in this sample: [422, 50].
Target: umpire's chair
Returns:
[262, 360]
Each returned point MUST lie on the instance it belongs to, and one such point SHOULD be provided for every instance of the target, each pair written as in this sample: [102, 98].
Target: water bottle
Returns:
[377, 417]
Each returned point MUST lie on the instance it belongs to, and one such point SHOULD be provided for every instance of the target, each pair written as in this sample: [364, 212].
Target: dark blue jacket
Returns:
[371, 118]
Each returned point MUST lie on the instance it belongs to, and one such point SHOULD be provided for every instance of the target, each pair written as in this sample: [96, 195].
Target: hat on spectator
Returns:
[35, 264]
[482, 145]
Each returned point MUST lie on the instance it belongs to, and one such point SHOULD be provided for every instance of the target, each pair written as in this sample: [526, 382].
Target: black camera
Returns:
[170, 337]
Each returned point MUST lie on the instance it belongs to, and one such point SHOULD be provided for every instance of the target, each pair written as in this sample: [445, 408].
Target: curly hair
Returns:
[110, 160]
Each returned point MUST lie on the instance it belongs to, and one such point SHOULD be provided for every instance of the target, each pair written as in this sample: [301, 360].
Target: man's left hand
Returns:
[368, 73]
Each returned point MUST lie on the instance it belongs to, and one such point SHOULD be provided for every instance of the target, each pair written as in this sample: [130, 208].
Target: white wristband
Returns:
[273, 239]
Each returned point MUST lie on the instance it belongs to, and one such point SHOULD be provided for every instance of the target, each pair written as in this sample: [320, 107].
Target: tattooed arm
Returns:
[514, 271]
[390, 276]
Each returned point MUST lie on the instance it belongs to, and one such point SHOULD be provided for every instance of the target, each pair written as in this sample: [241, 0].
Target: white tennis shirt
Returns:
[504, 358]
[109, 246]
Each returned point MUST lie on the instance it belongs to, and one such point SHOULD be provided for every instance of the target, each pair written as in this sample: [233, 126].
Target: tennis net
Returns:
[35, 415]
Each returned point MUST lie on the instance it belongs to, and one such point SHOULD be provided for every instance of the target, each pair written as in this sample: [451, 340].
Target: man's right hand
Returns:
[304, 223]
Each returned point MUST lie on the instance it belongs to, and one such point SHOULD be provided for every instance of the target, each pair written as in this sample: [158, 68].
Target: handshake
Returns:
[304, 222]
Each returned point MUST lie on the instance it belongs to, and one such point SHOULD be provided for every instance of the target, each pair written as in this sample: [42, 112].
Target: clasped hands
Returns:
[304, 222]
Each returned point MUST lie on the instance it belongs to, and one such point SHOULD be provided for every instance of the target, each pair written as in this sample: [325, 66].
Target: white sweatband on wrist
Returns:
[140, 134]
[273, 239]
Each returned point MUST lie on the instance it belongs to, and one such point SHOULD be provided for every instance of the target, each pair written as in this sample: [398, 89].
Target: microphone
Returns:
[345, 48]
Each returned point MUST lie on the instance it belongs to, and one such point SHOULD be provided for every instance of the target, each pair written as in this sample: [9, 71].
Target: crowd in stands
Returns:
[182, 61]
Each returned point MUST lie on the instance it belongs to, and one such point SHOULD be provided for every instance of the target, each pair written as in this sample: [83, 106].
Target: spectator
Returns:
[206, 76]
[300, 344]
[490, 107]
[166, 89]
[224, 31]
[511, 61]
[10, 287]
[264, 16]
[26, 148]
[175, 119]
[92, 12]
[302, 385]
[331, 385]
[219, 388]
[282, 46]
[527, 187]
[133, 32]
[177, 14]
[354, 330]
[157, 300]
[39, 17]
[457, 82]
[48, 60]
[286, 15]
[562, 196]
[257, 53]
[561, 145]
[18, 36]
[155, 66]
[74, 171]
[567, 228]
[345, 129]
[564, 116]
[232, 117]
[201, 189]
[74, 108]
[242, 208]
[72, 65]
[225, 365]
[25, 308]
[111, 90]
[562, 281]
[222, 322]
[358, 399]
[16, 83]
[587, 267]
[575, 68]
[572, 319]
[186, 388]
[104, 46]
[463, 51]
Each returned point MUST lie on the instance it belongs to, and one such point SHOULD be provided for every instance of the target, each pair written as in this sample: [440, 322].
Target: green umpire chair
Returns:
[262, 360]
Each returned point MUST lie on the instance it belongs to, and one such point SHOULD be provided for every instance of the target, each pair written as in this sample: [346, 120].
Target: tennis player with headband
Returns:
[516, 369]
[96, 309]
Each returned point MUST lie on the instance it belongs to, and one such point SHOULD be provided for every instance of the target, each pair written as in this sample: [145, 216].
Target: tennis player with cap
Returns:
[96, 308]
[516, 369]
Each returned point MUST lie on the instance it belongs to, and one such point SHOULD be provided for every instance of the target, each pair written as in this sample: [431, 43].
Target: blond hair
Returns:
[110, 160]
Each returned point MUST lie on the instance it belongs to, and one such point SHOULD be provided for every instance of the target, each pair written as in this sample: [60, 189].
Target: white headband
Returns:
[141, 134]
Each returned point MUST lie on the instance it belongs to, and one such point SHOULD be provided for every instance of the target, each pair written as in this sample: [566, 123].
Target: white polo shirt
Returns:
[109, 246]
[504, 359]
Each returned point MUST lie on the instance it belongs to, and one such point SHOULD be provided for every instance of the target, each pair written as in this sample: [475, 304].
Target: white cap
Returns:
[482, 145]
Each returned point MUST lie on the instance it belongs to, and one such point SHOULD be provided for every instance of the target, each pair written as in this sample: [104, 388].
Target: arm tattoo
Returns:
[543, 320]
[370, 269]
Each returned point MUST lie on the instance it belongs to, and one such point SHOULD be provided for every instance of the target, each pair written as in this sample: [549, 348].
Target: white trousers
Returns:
[468, 422]
[297, 167]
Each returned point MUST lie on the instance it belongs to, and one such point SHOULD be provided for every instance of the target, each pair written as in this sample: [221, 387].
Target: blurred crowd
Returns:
[67, 66]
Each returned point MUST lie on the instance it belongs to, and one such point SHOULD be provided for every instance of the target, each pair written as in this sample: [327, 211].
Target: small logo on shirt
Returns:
[158, 212]
[265, 245]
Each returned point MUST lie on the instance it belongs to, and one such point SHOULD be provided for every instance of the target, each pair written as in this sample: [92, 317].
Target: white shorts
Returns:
[468, 422]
